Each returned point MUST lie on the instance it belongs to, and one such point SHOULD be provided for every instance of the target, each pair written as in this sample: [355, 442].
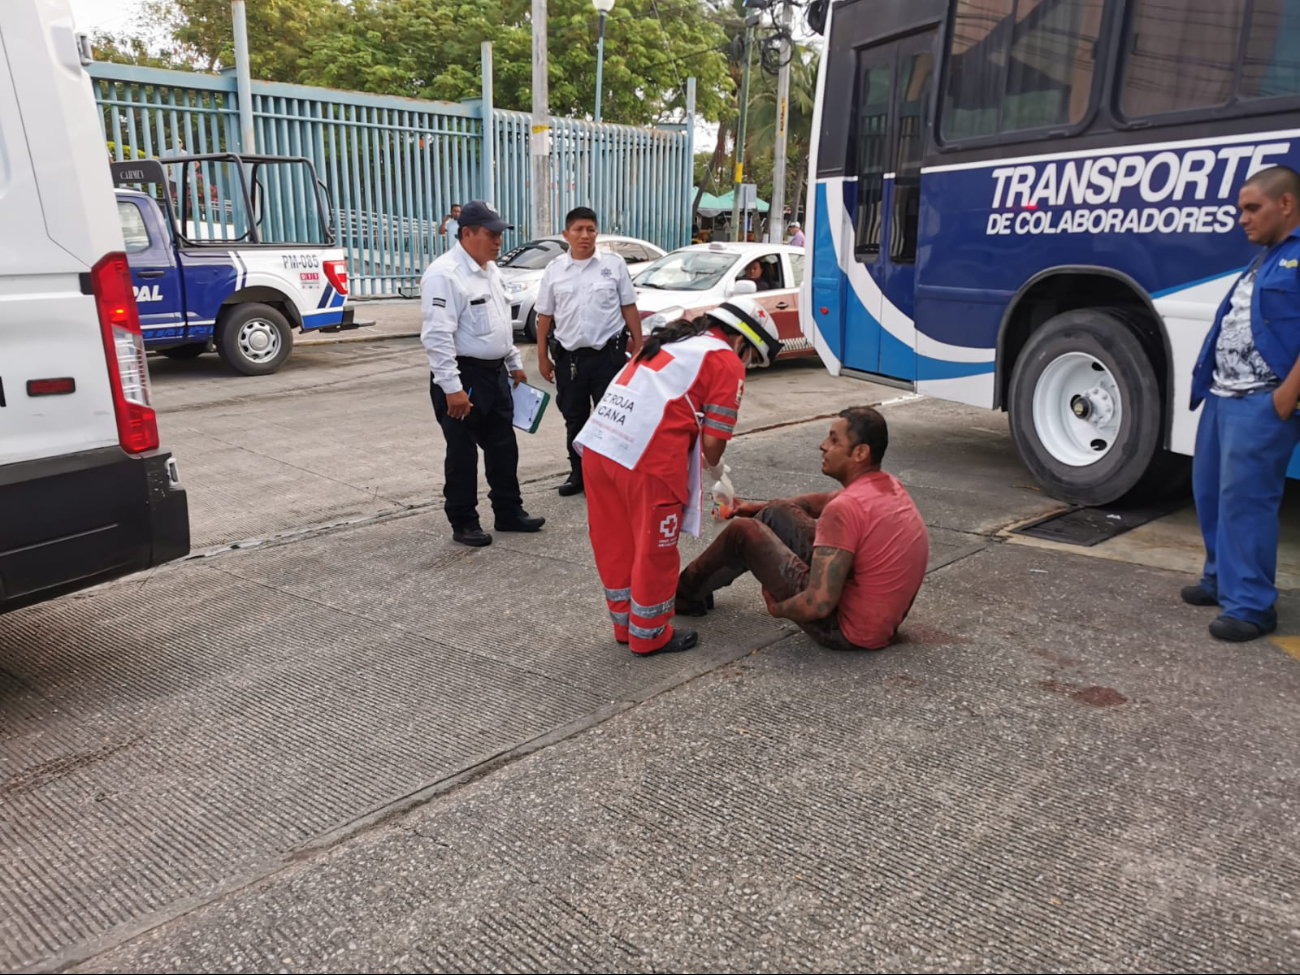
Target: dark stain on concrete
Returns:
[1092, 695]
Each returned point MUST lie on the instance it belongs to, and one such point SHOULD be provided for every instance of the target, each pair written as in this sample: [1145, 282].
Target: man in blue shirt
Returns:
[1248, 376]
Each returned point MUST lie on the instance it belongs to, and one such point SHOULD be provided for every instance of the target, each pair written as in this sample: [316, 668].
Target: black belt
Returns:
[465, 361]
[586, 351]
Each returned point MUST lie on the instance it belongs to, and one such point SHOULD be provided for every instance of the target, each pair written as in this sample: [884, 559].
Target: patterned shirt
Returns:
[1238, 367]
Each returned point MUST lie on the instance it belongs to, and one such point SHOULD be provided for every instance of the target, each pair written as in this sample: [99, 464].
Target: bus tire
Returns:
[1086, 410]
[191, 351]
[254, 339]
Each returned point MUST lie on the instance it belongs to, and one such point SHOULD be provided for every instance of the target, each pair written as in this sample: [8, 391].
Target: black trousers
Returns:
[489, 426]
[581, 378]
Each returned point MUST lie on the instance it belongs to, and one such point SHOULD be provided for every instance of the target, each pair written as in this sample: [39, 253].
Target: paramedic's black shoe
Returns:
[1197, 596]
[570, 487]
[679, 641]
[520, 521]
[471, 535]
[1238, 631]
[695, 607]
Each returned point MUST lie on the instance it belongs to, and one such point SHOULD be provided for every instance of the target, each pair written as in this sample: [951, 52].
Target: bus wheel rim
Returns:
[1078, 409]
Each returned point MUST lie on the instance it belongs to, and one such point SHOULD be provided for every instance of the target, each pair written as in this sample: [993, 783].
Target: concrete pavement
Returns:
[367, 749]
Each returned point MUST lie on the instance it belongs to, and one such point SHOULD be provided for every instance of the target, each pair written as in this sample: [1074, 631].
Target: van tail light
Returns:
[336, 272]
[128, 374]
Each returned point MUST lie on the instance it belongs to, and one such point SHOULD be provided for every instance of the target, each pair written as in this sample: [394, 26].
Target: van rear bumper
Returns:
[81, 519]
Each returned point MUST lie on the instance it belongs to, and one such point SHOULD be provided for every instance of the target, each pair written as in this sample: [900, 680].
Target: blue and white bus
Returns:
[1029, 205]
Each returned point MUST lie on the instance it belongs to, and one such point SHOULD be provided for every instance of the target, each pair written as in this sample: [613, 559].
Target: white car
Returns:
[692, 280]
[522, 270]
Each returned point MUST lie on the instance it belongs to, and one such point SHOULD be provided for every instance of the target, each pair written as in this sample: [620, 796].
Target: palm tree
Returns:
[761, 135]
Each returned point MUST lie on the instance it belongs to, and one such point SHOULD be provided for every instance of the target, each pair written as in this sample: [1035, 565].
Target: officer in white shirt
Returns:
[472, 358]
[590, 299]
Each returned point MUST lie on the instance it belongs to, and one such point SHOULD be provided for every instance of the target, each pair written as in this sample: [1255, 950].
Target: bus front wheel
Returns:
[1086, 414]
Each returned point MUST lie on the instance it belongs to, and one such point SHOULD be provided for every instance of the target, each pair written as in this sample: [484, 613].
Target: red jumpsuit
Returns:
[635, 462]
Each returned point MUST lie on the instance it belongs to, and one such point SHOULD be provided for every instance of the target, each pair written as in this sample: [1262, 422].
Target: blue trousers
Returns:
[1238, 475]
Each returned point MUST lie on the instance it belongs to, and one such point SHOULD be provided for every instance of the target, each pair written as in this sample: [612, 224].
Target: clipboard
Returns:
[530, 403]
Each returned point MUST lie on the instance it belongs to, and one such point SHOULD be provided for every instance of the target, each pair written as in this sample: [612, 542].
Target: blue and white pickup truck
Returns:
[249, 259]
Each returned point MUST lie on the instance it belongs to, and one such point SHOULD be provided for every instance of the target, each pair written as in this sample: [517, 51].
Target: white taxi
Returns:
[692, 280]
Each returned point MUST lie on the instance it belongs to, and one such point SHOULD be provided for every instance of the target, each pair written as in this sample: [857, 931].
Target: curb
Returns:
[347, 339]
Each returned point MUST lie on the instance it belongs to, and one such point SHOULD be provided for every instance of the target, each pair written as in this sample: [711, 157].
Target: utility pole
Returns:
[489, 125]
[737, 230]
[540, 144]
[243, 77]
[776, 214]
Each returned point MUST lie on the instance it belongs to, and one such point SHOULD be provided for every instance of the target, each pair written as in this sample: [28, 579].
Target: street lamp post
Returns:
[604, 7]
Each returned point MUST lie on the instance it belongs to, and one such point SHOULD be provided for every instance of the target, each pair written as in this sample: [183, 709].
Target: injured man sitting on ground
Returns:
[845, 565]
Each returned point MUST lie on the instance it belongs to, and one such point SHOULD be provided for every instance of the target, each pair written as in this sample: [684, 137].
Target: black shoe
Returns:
[679, 641]
[695, 607]
[1238, 631]
[521, 521]
[1197, 596]
[471, 535]
[570, 487]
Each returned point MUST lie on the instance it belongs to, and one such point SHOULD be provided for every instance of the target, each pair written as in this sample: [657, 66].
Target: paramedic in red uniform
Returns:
[665, 420]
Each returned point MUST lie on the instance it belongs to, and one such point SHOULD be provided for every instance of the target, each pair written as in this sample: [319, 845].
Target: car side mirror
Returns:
[745, 287]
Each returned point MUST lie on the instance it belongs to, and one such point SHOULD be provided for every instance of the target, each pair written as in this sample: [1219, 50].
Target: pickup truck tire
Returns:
[254, 339]
[191, 351]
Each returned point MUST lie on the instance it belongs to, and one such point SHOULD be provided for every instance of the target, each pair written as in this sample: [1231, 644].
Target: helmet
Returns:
[751, 320]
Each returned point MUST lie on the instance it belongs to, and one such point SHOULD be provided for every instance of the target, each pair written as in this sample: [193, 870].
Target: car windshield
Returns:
[534, 255]
[686, 271]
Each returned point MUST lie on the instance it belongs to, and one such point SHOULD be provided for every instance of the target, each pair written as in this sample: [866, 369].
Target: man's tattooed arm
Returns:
[826, 577]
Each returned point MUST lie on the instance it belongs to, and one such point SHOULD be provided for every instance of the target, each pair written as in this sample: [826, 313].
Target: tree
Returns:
[200, 32]
[131, 50]
[431, 49]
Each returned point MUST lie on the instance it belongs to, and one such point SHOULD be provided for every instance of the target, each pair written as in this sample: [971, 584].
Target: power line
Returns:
[667, 45]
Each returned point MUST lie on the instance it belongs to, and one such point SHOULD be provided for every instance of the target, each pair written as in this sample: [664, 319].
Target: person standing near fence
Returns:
[449, 229]
[473, 360]
[589, 299]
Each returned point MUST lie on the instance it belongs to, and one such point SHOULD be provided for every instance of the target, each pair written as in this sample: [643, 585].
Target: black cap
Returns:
[477, 213]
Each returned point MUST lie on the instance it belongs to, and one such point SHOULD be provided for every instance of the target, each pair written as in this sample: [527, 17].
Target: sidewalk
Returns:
[374, 750]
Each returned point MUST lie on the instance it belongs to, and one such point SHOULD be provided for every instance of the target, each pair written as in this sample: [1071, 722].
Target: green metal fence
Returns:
[394, 166]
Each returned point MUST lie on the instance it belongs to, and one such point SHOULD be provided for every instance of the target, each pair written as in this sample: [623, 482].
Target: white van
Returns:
[86, 492]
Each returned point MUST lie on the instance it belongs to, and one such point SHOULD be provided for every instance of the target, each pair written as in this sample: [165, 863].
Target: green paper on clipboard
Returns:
[530, 404]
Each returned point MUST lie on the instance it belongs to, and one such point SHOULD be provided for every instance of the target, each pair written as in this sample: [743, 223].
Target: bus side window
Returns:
[875, 81]
[914, 99]
[1015, 65]
[1181, 55]
[1272, 65]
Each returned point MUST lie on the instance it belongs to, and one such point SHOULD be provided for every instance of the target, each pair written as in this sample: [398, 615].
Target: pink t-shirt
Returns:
[876, 519]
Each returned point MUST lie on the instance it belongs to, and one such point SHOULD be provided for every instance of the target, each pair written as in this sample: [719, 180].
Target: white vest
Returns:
[627, 416]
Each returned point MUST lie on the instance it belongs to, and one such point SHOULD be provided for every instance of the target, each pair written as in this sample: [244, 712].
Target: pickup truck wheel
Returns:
[254, 339]
[191, 351]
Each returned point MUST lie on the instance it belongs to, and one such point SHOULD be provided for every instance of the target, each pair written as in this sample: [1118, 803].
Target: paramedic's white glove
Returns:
[720, 486]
